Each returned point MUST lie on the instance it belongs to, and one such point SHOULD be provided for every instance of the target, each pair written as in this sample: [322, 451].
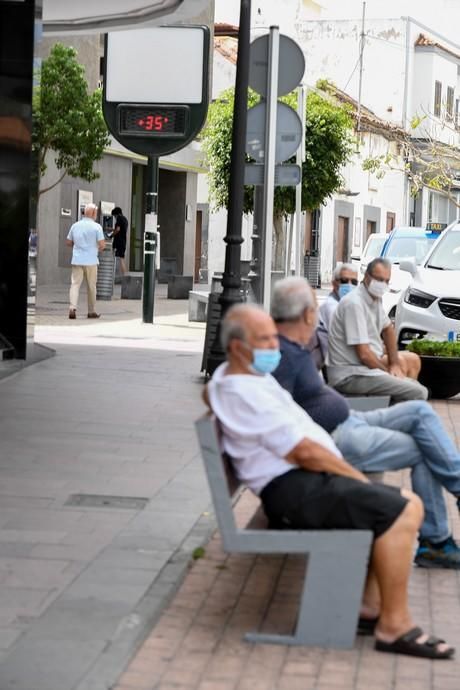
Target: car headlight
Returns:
[418, 298]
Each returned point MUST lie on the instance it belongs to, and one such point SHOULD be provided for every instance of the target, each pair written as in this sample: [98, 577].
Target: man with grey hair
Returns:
[304, 482]
[409, 435]
[363, 357]
[344, 279]
[86, 238]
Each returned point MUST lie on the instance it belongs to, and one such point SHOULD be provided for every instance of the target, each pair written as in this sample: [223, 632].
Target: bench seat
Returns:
[336, 560]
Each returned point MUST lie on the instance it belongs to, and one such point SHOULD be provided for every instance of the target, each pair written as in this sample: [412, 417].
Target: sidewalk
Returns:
[85, 579]
[110, 415]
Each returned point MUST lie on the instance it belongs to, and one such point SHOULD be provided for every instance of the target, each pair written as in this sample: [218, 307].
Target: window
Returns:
[437, 98]
[457, 113]
[450, 103]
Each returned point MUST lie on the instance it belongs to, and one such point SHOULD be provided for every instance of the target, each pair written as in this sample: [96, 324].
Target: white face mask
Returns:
[377, 288]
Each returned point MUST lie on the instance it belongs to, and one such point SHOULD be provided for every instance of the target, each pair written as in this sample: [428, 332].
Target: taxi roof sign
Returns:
[435, 227]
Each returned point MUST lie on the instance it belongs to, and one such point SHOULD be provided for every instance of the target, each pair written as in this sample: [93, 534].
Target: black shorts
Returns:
[313, 500]
[120, 251]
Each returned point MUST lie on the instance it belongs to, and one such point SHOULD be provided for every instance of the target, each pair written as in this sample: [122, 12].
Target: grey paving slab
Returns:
[48, 664]
[111, 413]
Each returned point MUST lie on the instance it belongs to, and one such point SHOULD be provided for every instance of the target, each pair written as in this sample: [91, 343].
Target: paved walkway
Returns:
[109, 415]
[84, 584]
[197, 644]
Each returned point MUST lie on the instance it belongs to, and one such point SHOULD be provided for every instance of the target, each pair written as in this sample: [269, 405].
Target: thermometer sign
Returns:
[145, 121]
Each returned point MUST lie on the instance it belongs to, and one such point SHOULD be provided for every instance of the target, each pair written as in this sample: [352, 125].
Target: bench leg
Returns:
[330, 601]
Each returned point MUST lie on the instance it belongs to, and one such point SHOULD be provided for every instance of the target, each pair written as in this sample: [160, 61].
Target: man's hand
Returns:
[314, 457]
[395, 370]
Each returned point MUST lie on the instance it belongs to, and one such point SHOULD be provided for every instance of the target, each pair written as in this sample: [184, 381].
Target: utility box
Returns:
[179, 286]
[131, 286]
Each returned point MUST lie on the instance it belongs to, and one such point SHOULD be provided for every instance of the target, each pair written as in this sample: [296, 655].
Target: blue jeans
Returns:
[407, 435]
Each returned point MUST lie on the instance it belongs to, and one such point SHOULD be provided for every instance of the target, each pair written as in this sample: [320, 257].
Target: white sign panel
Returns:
[156, 65]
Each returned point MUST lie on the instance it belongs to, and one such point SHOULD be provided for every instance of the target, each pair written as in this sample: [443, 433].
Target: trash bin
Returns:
[105, 273]
[311, 269]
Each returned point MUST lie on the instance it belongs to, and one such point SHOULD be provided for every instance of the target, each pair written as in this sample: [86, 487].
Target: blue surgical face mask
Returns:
[345, 289]
[265, 361]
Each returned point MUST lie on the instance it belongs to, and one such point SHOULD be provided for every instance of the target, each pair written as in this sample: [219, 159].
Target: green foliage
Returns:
[198, 553]
[67, 119]
[434, 348]
[328, 138]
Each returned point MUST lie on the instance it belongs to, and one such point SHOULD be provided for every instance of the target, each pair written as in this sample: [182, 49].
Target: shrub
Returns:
[435, 348]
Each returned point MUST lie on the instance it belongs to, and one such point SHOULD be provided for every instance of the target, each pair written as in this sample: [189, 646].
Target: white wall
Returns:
[332, 50]
[431, 65]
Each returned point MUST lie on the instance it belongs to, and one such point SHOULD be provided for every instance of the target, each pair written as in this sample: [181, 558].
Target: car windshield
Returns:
[409, 247]
[446, 256]
[374, 247]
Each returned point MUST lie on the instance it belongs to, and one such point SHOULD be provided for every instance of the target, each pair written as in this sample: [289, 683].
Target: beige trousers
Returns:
[89, 273]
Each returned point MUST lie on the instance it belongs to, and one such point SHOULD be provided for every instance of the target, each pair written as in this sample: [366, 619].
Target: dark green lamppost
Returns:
[231, 279]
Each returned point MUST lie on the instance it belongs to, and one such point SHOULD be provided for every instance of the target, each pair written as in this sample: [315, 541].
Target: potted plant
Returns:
[440, 366]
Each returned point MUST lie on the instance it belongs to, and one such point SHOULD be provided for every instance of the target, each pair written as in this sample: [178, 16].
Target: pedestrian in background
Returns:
[86, 239]
[120, 232]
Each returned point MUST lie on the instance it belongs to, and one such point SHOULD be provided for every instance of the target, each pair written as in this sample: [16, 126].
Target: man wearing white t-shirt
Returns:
[304, 482]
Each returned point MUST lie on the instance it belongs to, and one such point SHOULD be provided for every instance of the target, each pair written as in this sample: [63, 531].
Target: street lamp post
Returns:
[231, 278]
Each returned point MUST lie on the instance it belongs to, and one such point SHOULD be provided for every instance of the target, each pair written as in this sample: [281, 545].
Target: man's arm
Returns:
[69, 243]
[100, 245]
[313, 457]
[391, 346]
[368, 357]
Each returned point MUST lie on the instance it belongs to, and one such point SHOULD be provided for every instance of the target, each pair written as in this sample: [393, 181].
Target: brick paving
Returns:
[197, 644]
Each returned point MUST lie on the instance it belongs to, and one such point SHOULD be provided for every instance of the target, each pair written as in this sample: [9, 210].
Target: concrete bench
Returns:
[366, 403]
[336, 560]
[197, 305]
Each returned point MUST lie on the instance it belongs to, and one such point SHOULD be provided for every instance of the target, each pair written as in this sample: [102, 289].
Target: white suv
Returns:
[431, 304]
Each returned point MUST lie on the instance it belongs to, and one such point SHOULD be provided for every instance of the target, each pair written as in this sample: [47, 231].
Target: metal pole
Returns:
[300, 157]
[257, 266]
[150, 238]
[269, 158]
[231, 279]
[361, 51]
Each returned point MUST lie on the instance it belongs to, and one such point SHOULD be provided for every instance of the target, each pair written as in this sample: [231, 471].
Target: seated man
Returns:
[407, 435]
[344, 279]
[304, 482]
[359, 329]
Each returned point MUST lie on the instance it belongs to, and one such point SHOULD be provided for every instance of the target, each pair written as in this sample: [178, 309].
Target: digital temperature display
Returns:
[155, 122]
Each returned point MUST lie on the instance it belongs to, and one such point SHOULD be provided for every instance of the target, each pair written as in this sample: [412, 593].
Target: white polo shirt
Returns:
[358, 320]
[260, 425]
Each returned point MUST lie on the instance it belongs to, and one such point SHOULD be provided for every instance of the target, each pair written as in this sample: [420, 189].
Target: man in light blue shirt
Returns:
[87, 240]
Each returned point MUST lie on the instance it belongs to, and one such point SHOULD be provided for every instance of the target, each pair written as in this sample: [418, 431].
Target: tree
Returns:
[426, 159]
[67, 119]
[328, 140]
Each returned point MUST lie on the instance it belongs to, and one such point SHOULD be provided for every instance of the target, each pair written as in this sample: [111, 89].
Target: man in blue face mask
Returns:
[344, 279]
[363, 357]
[304, 482]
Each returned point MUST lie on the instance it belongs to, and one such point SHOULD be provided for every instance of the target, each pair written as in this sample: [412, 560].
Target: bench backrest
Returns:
[366, 403]
[222, 480]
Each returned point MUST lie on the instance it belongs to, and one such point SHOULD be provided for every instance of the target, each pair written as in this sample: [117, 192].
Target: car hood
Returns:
[437, 283]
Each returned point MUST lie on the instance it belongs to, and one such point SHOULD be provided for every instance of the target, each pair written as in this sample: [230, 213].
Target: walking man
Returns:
[86, 239]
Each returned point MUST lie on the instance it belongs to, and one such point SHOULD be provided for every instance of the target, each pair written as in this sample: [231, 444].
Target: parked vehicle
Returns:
[405, 243]
[430, 305]
[372, 248]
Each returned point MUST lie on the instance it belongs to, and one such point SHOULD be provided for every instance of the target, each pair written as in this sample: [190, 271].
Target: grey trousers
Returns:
[383, 384]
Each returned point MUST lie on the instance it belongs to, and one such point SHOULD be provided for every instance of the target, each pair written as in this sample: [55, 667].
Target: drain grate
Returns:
[101, 501]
